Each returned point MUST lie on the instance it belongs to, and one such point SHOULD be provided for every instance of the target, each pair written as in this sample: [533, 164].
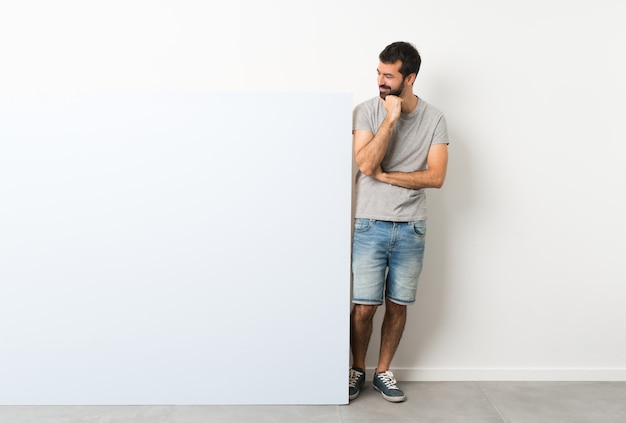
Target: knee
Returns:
[394, 308]
[363, 312]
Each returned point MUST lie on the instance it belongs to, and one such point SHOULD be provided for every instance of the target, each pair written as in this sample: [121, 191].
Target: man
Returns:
[400, 147]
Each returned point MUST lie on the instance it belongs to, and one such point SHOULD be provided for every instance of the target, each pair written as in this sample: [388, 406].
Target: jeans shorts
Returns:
[386, 260]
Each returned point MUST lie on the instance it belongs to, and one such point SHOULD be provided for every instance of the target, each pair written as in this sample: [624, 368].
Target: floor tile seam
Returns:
[348, 417]
[171, 412]
[341, 412]
[491, 401]
[337, 410]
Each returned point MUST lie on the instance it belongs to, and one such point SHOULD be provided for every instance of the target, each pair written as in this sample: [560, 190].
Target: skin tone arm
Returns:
[432, 177]
[370, 149]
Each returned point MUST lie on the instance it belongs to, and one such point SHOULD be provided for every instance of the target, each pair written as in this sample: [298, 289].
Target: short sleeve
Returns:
[362, 118]
[440, 135]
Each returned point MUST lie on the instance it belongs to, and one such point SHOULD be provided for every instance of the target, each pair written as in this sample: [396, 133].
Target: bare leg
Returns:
[360, 332]
[391, 332]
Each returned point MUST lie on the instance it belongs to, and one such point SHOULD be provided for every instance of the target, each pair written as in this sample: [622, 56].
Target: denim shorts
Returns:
[386, 260]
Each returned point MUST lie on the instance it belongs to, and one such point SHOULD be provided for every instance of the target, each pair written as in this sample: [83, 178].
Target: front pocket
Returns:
[362, 225]
[419, 228]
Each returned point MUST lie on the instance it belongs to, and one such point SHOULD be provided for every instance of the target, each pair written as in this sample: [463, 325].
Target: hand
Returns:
[393, 106]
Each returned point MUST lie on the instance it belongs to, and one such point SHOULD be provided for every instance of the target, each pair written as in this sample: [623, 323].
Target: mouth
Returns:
[384, 90]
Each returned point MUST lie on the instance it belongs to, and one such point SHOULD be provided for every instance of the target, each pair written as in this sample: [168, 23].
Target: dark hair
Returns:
[406, 53]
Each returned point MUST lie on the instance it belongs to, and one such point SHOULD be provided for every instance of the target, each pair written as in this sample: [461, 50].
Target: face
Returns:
[390, 80]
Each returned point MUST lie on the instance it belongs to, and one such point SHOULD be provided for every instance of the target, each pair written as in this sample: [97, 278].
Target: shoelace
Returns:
[354, 376]
[388, 379]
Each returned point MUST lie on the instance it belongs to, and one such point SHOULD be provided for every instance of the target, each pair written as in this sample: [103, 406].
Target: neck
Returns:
[409, 103]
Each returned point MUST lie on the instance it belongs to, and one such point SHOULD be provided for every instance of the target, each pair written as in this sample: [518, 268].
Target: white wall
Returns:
[523, 277]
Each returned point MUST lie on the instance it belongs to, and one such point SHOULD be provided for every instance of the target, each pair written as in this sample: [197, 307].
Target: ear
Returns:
[411, 78]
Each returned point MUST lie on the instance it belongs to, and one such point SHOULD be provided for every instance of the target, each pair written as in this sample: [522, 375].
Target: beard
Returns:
[395, 92]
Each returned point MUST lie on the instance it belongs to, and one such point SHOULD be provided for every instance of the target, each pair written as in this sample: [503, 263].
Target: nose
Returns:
[381, 80]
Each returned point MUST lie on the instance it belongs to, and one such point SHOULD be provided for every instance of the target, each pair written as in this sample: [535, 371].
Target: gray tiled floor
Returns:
[484, 402]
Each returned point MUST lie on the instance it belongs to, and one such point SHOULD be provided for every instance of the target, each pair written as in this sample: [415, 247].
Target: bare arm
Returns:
[369, 148]
[433, 177]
